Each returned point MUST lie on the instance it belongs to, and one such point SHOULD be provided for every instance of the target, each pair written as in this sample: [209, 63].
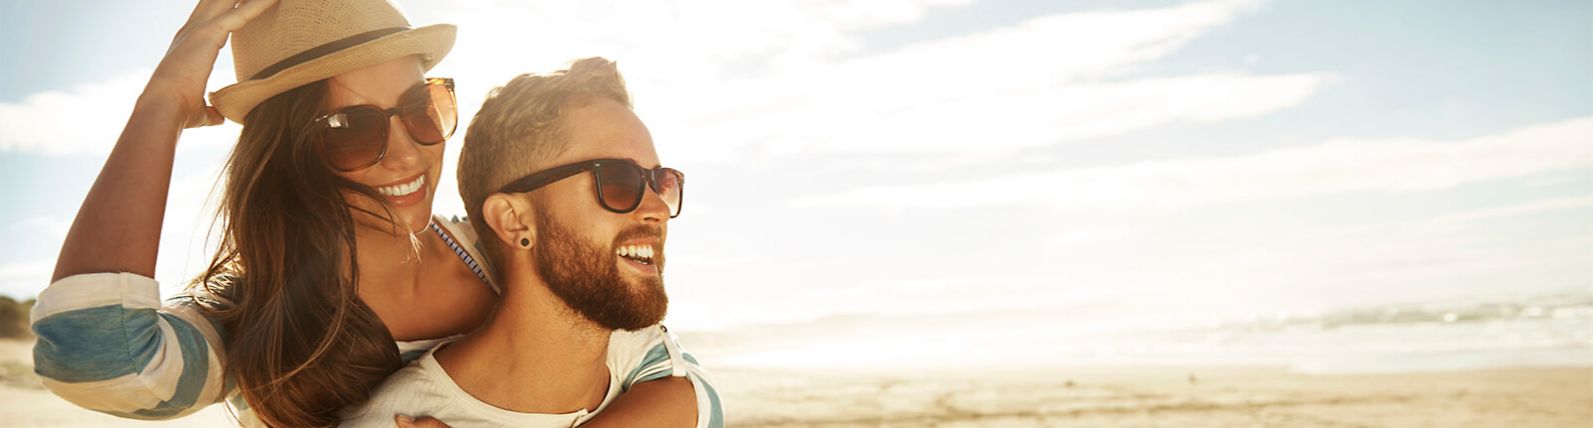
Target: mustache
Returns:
[640, 231]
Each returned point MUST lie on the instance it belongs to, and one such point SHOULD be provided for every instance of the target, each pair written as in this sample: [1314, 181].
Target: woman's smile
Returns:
[406, 194]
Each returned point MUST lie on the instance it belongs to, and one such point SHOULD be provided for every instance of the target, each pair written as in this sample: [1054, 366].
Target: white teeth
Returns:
[635, 252]
[402, 189]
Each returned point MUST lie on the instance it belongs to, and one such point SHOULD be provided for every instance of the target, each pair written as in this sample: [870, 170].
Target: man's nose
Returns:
[652, 209]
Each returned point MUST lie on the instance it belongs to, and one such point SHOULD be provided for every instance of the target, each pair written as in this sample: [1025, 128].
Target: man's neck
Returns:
[535, 355]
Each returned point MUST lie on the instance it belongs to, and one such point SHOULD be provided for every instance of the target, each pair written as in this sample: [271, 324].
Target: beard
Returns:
[588, 279]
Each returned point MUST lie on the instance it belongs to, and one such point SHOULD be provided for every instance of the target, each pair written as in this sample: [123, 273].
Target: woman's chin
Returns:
[414, 222]
[408, 221]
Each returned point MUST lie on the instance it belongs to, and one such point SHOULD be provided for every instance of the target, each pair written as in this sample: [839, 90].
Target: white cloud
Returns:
[24, 279]
[1001, 121]
[1521, 209]
[87, 118]
[1043, 81]
[689, 37]
[1395, 165]
[90, 117]
[797, 76]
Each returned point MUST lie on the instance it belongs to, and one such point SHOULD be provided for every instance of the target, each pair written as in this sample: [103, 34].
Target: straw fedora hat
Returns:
[302, 41]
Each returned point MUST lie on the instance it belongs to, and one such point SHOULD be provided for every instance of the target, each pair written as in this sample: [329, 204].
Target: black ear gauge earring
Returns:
[525, 242]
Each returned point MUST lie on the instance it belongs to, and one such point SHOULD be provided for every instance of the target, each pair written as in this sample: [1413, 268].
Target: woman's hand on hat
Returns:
[181, 77]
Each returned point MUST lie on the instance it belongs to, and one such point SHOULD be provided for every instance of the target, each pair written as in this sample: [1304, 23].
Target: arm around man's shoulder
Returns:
[654, 353]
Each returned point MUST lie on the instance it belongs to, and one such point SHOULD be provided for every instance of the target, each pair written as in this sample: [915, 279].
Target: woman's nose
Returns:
[402, 151]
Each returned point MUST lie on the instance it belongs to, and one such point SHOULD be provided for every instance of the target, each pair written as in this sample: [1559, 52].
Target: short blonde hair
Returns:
[517, 131]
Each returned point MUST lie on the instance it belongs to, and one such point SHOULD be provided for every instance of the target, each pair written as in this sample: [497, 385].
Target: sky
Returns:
[1178, 161]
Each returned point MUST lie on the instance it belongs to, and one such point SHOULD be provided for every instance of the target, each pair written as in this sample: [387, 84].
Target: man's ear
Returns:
[509, 218]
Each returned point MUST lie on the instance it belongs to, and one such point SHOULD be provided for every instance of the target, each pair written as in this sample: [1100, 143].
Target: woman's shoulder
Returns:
[461, 237]
[459, 227]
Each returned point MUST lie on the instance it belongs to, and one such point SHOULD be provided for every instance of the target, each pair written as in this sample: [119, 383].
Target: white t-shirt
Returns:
[423, 389]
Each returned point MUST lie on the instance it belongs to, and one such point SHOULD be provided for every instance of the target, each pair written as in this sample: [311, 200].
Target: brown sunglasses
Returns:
[620, 184]
[355, 137]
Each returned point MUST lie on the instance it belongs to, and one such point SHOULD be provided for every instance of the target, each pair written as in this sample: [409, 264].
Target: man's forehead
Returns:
[605, 130]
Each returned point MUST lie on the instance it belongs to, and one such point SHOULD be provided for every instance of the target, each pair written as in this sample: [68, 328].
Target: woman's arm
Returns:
[662, 401]
[117, 228]
[105, 341]
[666, 402]
[664, 386]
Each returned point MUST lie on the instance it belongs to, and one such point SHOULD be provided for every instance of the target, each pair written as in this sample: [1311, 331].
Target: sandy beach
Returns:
[1077, 396]
[1160, 396]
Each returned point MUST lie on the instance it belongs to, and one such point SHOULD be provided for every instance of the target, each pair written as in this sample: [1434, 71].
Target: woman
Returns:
[330, 254]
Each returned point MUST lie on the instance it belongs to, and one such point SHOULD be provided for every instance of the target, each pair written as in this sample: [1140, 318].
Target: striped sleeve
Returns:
[664, 357]
[106, 343]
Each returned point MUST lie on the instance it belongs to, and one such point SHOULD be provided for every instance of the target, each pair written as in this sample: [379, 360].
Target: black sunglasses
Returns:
[620, 184]
[355, 137]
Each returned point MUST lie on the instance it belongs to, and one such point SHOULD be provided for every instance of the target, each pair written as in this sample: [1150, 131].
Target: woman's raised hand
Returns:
[118, 227]
[181, 76]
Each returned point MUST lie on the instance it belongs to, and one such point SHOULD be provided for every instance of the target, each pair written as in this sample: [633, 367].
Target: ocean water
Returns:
[1551, 330]
[1541, 330]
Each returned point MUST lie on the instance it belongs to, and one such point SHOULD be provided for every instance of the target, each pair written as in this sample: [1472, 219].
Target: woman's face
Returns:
[406, 162]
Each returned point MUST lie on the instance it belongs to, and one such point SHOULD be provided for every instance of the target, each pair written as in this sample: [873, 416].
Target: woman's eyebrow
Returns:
[367, 99]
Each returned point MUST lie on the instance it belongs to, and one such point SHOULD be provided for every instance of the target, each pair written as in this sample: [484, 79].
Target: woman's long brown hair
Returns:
[300, 343]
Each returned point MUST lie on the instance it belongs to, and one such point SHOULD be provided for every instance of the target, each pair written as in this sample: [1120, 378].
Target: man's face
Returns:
[579, 243]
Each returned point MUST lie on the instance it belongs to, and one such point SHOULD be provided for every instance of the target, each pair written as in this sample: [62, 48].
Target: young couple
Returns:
[336, 297]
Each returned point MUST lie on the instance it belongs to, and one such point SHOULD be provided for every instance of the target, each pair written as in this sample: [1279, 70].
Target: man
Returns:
[569, 203]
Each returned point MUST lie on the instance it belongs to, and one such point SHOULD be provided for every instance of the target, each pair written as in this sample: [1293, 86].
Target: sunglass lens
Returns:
[354, 138]
[669, 182]
[620, 186]
[435, 115]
